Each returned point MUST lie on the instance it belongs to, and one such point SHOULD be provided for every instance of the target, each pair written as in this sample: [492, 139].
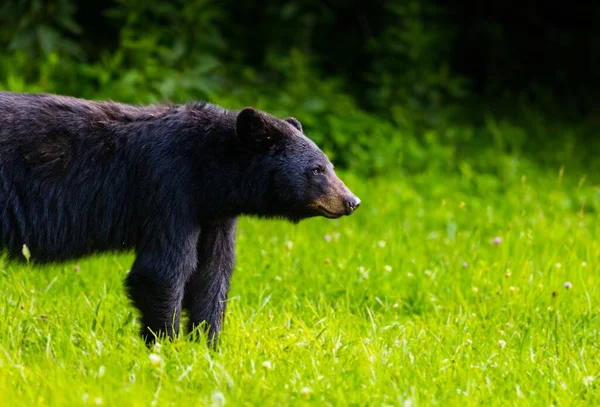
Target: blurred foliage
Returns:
[378, 85]
[40, 27]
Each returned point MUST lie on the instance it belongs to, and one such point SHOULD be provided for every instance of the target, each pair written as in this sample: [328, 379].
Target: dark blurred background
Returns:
[384, 86]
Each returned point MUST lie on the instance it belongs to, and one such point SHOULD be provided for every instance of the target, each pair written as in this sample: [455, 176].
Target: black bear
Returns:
[79, 177]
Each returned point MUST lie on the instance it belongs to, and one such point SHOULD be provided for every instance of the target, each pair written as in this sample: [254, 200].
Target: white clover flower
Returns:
[218, 398]
[155, 359]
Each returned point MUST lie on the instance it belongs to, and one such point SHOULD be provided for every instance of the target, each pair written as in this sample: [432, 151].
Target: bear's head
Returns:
[301, 182]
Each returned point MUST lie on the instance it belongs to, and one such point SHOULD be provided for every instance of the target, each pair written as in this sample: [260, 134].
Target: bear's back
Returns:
[65, 189]
[18, 109]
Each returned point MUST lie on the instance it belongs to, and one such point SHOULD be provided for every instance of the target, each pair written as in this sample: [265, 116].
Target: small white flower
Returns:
[155, 359]
[218, 399]
[587, 381]
[305, 391]
[327, 238]
[381, 243]
[568, 285]
[558, 265]
[98, 401]
[267, 365]
[387, 268]
[501, 344]
[289, 244]
[584, 264]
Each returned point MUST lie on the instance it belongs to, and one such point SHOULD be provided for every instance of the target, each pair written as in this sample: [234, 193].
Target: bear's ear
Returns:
[252, 127]
[294, 122]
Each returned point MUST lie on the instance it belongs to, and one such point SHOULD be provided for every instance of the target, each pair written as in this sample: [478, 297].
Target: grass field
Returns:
[453, 290]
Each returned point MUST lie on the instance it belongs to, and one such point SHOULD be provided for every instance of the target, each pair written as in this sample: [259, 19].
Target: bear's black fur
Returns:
[79, 177]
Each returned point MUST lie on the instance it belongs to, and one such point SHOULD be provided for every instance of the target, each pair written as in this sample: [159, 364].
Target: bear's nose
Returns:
[352, 204]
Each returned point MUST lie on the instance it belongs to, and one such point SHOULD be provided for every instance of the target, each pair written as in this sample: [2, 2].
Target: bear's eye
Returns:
[317, 170]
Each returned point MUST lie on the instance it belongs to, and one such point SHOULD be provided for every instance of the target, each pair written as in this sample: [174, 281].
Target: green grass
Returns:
[406, 304]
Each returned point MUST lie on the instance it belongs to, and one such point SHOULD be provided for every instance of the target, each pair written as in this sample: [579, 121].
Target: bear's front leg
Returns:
[156, 285]
[206, 290]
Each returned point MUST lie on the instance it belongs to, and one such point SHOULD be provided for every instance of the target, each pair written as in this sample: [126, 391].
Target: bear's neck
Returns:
[231, 179]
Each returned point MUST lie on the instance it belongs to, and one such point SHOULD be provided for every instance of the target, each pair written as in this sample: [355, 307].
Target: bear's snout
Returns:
[352, 204]
[338, 200]
[337, 205]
